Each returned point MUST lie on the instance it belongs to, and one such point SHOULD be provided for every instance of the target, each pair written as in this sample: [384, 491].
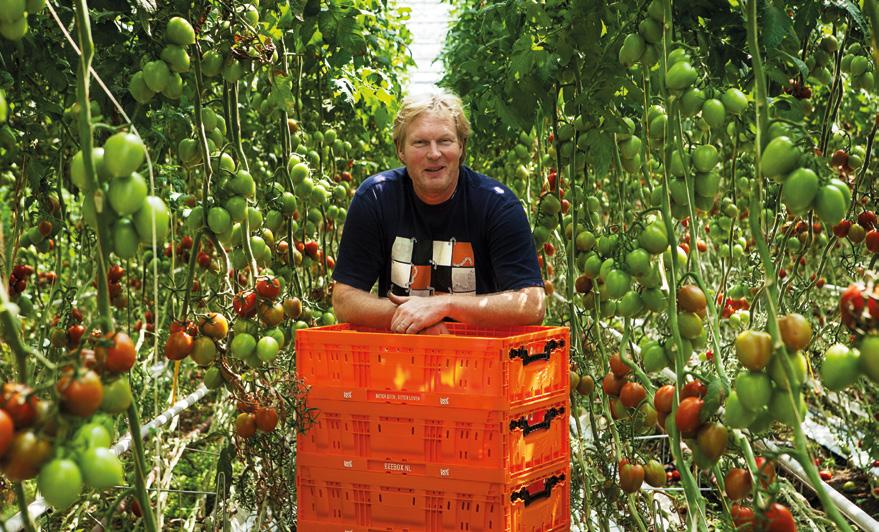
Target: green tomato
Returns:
[123, 154]
[211, 63]
[180, 32]
[15, 29]
[77, 167]
[705, 158]
[60, 483]
[714, 113]
[830, 204]
[654, 238]
[213, 378]
[101, 468]
[153, 208]
[631, 50]
[92, 435]
[654, 357]
[680, 76]
[233, 70]
[617, 283]
[655, 300]
[174, 88]
[735, 101]
[784, 411]
[176, 57]
[11, 10]
[117, 396]
[754, 389]
[799, 190]
[267, 349]
[243, 345]
[841, 367]
[630, 304]
[156, 75]
[869, 359]
[735, 415]
[780, 157]
[138, 88]
[689, 325]
[127, 193]
[125, 239]
[778, 375]
[638, 261]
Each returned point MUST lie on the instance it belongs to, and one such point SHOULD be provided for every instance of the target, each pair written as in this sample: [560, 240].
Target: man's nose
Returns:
[434, 152]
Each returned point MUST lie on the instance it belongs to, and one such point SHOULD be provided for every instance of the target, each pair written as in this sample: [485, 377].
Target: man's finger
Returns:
[397, 300]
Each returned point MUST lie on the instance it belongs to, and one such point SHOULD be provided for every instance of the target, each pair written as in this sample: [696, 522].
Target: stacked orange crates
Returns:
[467, 431]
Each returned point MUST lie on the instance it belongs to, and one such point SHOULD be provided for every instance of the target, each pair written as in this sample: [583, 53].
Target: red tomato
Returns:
[743, 517]
[115, 274]
[664, 398]
[179, 345]
[631, 394]
[20, 404]
[687, 416]
[245, 425]
[268, 287]
[618, 367]
[851, 305]
[694, 388]
[612, 384]
[765, 471]
[738, 483]
[779, 519]
[119, 357]
[7, 431]
[266, 419]
[81, 395]
[244, 304]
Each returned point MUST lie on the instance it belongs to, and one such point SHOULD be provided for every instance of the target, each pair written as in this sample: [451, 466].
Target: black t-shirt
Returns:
[476, 242]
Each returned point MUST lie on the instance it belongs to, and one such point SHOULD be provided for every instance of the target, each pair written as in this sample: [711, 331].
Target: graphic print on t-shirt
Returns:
[424, 268]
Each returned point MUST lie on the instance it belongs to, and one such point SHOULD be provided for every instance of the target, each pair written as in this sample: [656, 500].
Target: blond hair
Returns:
[440, 102]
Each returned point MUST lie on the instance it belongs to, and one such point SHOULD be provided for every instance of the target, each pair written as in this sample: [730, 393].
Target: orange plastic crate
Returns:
[336, 500]
[474, 367]
[441, 442]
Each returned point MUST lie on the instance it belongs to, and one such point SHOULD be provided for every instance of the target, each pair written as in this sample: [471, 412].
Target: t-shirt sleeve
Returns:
[359, 260]
[511, 245]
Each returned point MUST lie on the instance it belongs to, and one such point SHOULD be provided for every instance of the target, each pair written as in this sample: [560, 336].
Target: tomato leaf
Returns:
[776, 26]
[716, 395]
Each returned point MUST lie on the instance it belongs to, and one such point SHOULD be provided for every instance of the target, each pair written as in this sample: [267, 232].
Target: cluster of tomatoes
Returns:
[761, 388]
[253, 417]
[707, 439]
[133, 213]
[731, 305]
[739, 485]
[864, 229]
[18, 279]
[30, 427]
[625, 394]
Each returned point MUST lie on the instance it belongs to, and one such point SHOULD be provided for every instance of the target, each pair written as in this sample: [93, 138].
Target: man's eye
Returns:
[446, 142]
[419, 143]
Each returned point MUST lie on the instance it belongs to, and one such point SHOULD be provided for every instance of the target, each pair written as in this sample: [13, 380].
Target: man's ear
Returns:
[400, 153]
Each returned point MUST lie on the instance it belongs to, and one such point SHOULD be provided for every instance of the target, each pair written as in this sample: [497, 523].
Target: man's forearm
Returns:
[522, 307]
[362, 308]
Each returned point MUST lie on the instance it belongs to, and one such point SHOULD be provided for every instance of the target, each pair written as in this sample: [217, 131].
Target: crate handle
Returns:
[521, 352]
[524, 495]
[522, 422]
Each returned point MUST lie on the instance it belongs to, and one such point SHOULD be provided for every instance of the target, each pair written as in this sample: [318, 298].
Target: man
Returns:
[436, 228]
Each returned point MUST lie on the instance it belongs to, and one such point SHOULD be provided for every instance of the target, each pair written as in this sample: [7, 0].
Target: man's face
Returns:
[432, 155]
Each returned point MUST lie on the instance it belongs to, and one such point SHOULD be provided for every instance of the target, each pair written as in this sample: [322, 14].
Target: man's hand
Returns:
[438, 329]
[415, 314]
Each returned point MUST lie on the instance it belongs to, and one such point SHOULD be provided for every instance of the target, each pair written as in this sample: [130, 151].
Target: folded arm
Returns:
[515, 307]
[417, 314]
